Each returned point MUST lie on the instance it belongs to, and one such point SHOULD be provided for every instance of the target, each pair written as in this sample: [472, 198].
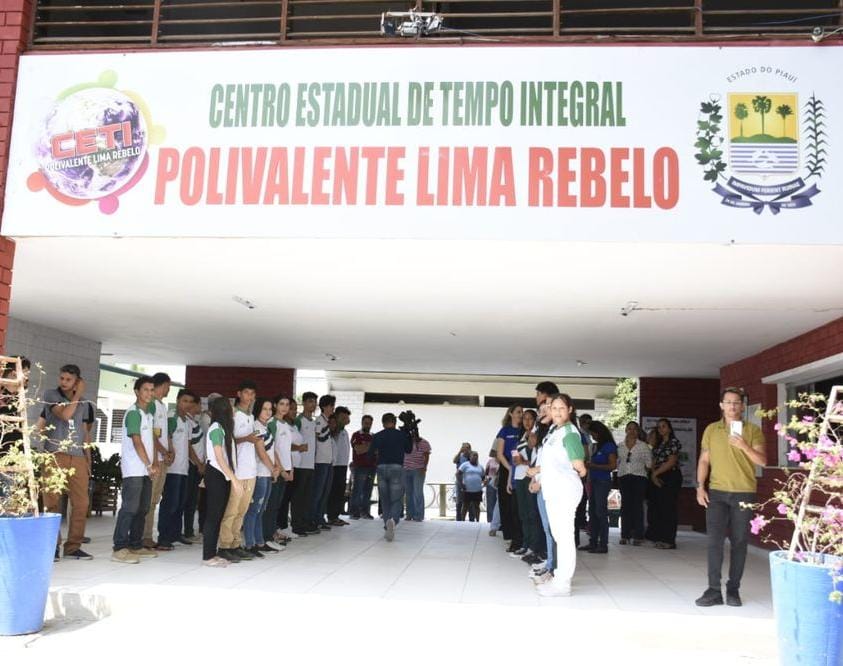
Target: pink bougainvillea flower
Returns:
[757, 524]
[782, 509]
[794, 456]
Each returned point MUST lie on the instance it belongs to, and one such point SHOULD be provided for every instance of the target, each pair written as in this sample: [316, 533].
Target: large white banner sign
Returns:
[711, 144]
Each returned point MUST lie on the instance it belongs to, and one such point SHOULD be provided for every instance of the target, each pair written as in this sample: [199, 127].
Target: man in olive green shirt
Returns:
[731, 447]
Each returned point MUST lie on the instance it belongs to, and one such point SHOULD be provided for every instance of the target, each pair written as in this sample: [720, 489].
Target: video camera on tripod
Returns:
[409, 424]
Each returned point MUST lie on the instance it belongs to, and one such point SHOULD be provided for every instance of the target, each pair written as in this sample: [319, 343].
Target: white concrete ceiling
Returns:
[490, 307]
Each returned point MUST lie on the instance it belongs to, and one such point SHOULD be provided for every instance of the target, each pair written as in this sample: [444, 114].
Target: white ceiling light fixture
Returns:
[244, 302]
[581, 363]
[630, 307]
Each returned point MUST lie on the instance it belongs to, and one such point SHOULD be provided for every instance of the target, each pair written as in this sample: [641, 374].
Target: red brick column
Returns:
[15, 18]
[205, 379]
[683, 398]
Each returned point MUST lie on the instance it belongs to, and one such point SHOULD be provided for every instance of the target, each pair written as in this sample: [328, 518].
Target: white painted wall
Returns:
[52, 348]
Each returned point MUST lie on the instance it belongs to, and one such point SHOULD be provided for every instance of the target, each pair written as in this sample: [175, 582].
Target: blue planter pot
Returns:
[810, 627]
[26, 561]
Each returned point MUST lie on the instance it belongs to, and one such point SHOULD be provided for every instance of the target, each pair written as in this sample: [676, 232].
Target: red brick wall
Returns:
[747, 373]
[205, 379]
[15, 18]
[682, 398]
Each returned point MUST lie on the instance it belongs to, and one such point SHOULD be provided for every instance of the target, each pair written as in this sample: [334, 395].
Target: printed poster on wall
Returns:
[686, 433]
[618, 143]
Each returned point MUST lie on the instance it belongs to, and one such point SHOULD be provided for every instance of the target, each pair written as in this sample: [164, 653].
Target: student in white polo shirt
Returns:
[245, 469]
[282, 433]
[139, 467]
[163, 451]
[179, 429]
[303, 476]
[324, 467]
[267, 472]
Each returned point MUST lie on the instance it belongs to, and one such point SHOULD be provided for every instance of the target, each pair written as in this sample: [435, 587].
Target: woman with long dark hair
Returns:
[505, 443]
[528, 511]
[254, 540]
[666, 481]
[604, 459]
[220, 481]
[282, 434]
[634, 462]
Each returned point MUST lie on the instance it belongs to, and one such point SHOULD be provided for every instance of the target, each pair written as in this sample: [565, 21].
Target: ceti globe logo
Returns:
[92, 145]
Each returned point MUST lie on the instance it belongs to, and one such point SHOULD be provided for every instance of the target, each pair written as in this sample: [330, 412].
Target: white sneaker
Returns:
[539, 566]
[390, 530]
[536, 573]
[546, 577]
[277, 547]
[552, 589]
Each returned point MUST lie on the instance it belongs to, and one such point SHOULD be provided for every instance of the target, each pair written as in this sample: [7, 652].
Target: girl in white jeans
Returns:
[560, 472]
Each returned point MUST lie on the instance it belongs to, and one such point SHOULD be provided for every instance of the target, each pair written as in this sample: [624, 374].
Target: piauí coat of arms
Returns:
[776, 145]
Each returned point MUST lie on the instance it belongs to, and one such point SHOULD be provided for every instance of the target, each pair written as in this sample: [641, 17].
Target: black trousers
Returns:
[217, 490]
[283, 516]
[302, 498]
[336, 496]
[270, 515]
[195, 500]
[510, 524]
[726, 515]
[664, 507]
[633, 490]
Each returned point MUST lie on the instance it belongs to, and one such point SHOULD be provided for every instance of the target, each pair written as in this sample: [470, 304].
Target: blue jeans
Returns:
[322, 474]
[361, 494]
[414, 490]
[136, 494]
[491, 502]
[253, 520]
[551, 545]
[391, 491]
[171, 509]
[496, 516]
[598, 512]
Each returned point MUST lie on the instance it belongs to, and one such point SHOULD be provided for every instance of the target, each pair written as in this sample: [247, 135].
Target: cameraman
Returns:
[415, 468]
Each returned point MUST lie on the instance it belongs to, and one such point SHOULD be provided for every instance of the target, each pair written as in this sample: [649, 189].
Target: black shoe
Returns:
[512, 549]
[254, 550]
[266, 549]
[183, 540]
[243, 554]
[733, 598]
[531, 559]
[367, 516]
[86, 539]
[710, 598]
[56, 557]
[300, 534]
[229, 555]
[588, 547]
[324, 526]
[355, 517]
[78, 554]
[600, 550]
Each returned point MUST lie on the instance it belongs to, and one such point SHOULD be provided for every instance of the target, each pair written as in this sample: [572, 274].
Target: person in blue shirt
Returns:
[390, 445]
[604, 459]
[505, 443]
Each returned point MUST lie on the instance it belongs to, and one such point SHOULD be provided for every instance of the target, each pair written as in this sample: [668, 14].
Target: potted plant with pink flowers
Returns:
[807, 571]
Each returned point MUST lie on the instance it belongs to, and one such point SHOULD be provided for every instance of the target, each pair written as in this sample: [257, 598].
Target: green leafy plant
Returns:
[811, 497]
[710, 141]
[624, 403]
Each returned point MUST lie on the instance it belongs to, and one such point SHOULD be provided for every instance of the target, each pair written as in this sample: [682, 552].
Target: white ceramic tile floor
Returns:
[438, 579]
